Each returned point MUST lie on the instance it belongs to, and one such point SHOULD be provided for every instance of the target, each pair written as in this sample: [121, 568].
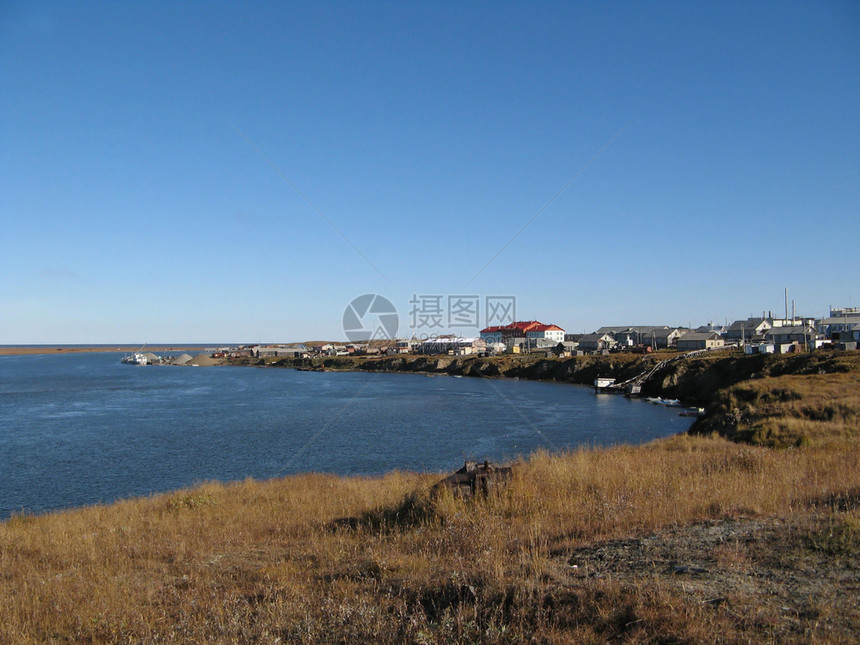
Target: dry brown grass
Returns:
[315, 558]
[789, 410]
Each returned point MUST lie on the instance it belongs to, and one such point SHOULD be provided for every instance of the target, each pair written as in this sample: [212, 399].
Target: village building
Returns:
[596, 342]
[625, 338]
[744, 330]
[711, 327]
[759, 348]
[796, 334]
[516, 332]
[693, 340]
[837, 328]
[789, 322]
[633, 335]
[521, 332]
[664, 338]
[844, 311]
[453, 346]
[552, 333]
[280, 351]
[406, 346]
[494, 348]
[492, 334]
[841, 324]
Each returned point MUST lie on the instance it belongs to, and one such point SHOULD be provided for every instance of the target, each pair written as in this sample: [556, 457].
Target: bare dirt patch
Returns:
[785, 580]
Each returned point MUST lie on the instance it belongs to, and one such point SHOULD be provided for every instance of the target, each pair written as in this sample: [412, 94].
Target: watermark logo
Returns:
[431, 313]
[370, 317]
[500, 310]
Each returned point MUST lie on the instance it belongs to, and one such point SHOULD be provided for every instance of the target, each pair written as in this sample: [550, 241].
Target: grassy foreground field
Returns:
[686, 540]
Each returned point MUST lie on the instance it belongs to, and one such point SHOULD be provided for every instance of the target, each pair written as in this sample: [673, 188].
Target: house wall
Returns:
[555, 335]
[604, 342]
[691, 345]
[669, 339]
[748, 331]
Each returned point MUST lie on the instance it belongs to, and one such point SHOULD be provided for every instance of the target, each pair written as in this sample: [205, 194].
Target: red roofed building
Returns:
[519, 332]
[546, 332]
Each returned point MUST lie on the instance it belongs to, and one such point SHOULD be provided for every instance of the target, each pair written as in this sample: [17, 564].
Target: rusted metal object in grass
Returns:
[475, 478]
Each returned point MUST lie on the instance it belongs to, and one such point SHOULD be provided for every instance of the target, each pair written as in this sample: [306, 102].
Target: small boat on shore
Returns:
[603, 384]
[670, 403]
[692, 412]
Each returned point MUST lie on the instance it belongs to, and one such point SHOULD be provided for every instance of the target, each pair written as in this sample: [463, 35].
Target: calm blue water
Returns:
[82, 429]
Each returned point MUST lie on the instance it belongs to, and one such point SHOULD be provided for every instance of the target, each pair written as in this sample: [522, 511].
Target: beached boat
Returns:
[671, 403]
[692, 412]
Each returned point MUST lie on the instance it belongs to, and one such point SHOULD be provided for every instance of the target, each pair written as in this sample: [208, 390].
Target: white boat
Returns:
[135, 359]
[671, 403]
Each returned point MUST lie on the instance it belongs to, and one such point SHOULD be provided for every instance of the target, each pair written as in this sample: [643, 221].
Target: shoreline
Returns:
[683, 536]
[693, 534]
[781, 400]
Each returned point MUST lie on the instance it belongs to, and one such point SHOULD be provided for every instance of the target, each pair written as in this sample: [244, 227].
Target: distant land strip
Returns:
[20, 350]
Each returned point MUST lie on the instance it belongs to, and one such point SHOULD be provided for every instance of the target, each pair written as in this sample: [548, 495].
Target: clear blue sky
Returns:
[132, 209]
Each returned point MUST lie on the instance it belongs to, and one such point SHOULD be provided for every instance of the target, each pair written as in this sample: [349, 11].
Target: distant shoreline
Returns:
[21, 350]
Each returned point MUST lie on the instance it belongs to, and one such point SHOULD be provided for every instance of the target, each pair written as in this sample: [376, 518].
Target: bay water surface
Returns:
[79, 429]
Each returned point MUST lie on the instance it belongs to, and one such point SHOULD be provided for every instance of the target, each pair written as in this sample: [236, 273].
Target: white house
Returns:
[759, 348]
[406, 346]
[552, 333]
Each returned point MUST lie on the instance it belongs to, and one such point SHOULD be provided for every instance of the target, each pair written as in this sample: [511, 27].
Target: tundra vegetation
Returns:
[693, 539]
